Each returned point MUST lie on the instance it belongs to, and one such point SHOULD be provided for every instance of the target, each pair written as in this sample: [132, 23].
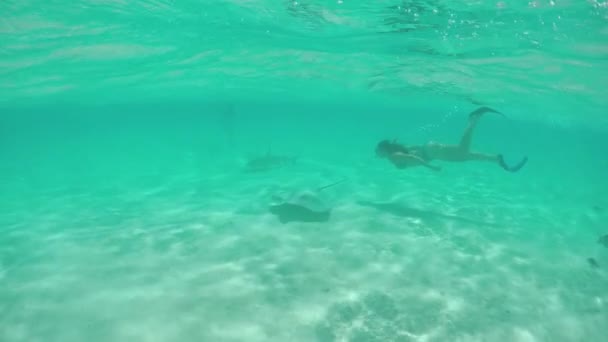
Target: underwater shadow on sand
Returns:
[399, 209]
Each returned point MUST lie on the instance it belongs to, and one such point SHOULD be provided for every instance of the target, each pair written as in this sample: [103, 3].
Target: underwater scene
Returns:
[314, 170]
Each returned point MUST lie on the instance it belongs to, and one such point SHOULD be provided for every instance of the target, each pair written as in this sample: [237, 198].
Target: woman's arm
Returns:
[405, 159]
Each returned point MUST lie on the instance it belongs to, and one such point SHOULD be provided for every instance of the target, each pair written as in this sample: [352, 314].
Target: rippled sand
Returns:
[475, 254]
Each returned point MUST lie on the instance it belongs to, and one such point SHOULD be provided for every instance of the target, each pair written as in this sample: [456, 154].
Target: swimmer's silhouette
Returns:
[410, 156]
[402, 210]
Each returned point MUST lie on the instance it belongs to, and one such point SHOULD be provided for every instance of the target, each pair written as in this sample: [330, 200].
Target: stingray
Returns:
[305, 206]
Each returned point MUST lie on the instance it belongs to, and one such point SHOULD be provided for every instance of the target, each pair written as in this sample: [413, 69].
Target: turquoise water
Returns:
[127, 212]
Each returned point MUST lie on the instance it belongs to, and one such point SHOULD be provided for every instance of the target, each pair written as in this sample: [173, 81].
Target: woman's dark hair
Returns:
[386, 147]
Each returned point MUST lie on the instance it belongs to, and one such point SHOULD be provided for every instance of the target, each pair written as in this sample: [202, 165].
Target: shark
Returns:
[268, 162]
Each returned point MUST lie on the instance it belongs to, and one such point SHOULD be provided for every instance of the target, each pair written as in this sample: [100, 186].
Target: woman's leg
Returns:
[483, 157]
[467, 136]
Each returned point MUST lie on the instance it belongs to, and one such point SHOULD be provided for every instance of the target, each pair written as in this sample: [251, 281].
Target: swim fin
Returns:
[514, 168]
[482, 110]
